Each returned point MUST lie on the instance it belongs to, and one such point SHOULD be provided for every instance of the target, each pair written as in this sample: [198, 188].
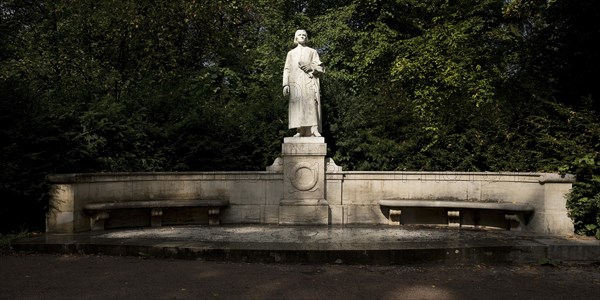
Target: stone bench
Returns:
[515, 214]
[100, 212]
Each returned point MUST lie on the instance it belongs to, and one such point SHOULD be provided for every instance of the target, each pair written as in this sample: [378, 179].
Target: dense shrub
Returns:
[584, 200]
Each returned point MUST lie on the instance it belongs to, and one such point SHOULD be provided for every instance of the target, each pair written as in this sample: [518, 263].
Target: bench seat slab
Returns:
[514, 213]
[99, 212]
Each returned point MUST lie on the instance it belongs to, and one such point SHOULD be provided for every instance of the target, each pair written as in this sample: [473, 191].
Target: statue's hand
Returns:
[306, 69]
[286, 90]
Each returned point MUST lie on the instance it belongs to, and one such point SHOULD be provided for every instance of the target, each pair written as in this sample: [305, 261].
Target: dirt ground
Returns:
[42, 276]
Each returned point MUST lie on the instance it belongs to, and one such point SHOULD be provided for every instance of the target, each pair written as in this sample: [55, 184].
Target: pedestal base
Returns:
[303, 200]
[304, 214]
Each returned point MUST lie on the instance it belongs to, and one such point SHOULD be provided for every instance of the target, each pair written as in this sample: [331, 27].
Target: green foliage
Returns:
[424, 85]
[111, 86]
[574, 139]
[6, 241]
[115, 86]
[583, 201]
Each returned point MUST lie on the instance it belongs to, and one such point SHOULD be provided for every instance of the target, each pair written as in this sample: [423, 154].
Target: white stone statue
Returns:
[301, 82]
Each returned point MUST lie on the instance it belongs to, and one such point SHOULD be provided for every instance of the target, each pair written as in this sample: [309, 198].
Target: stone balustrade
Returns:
[352, 197]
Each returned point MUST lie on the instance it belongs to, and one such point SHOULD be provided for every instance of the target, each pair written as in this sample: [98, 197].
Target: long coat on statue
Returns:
[305, 99]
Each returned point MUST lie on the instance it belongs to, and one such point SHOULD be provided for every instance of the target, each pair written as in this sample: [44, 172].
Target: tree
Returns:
[109, 86]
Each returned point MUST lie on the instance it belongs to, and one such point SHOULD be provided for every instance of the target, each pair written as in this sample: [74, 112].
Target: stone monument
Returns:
[304, 201]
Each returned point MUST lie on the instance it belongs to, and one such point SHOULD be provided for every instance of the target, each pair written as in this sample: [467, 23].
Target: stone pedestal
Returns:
[304, 200]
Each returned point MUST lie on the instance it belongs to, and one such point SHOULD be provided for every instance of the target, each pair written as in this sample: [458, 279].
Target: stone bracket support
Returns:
[214, 216]
[395, 215]
[97, 220]
[514, 221]
[454, 218]
[156, 217]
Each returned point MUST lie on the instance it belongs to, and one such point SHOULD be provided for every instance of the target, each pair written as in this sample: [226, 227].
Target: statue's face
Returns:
[301, 37]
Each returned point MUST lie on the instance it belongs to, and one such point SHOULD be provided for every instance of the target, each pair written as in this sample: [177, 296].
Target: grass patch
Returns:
[6, 240]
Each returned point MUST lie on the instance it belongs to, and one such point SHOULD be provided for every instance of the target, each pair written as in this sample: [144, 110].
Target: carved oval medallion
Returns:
[304, 176]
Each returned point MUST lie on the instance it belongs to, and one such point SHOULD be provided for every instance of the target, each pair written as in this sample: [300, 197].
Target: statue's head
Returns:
[300, 37]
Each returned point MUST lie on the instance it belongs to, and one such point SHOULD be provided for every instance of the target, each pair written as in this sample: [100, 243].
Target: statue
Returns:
[301, 82]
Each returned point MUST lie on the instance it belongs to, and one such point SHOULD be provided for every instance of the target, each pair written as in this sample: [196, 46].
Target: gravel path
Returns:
[37, 276]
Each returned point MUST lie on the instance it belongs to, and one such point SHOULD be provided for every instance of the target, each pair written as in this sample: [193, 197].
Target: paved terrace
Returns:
[324, 244]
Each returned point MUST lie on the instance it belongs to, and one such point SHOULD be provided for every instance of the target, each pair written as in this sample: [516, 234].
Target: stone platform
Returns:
[324, 244]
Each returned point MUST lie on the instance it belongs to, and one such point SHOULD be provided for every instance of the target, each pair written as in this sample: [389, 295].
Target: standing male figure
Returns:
[301, 82]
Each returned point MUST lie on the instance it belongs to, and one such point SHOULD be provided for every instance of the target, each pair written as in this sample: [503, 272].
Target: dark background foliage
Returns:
[112, 86]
